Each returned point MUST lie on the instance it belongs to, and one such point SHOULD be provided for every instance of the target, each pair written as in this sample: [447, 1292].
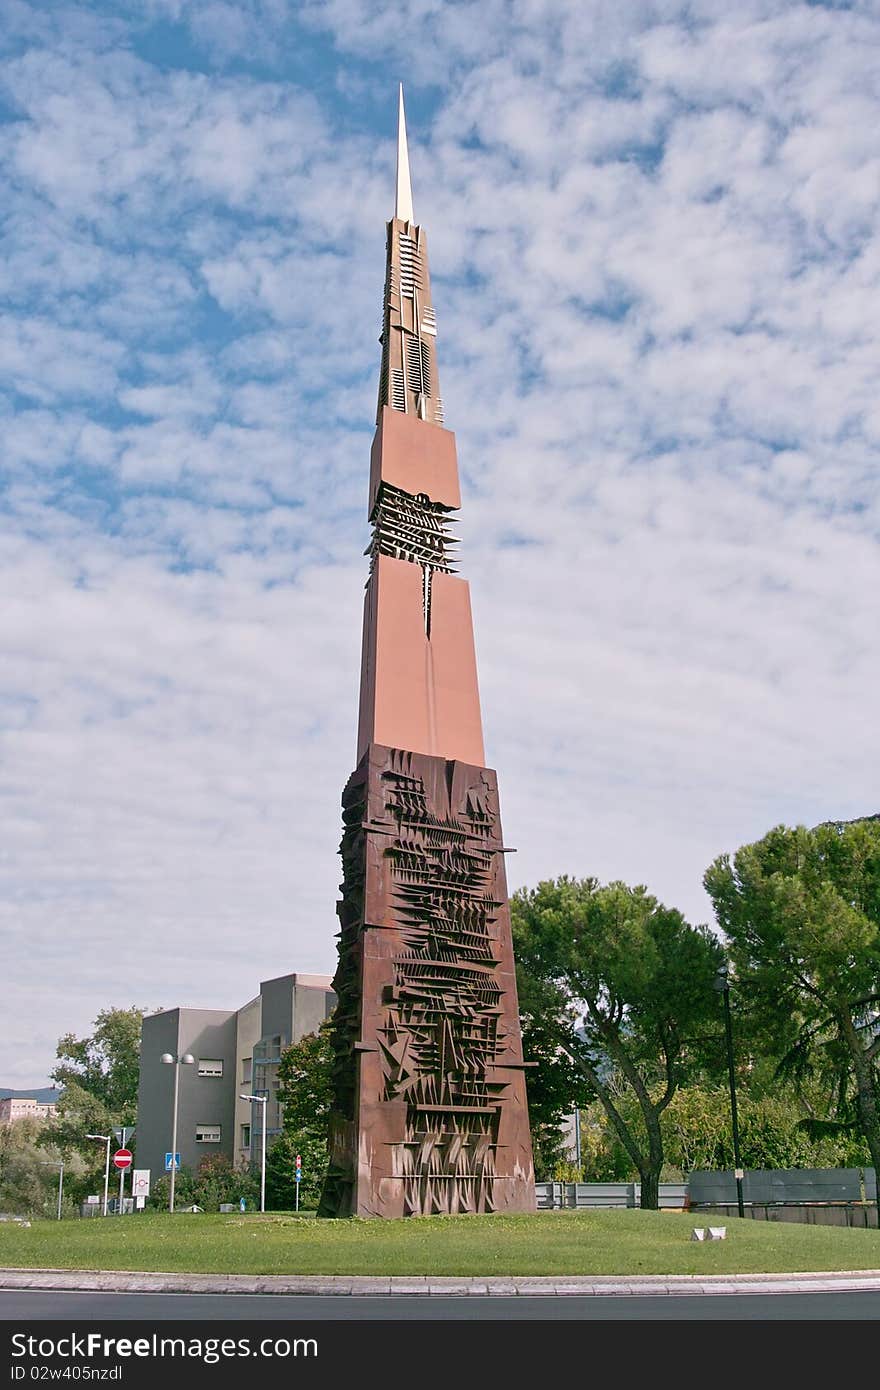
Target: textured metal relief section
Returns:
[346, 1017]
[430, 1112]
[408, 374]
[440, 1037]
[412, 528]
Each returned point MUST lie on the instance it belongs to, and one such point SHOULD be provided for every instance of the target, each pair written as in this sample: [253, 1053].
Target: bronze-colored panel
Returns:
[419, 691]
[452, 667]
[415, 456]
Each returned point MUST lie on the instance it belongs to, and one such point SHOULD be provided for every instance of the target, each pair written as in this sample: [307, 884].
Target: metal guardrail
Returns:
[582, 1195]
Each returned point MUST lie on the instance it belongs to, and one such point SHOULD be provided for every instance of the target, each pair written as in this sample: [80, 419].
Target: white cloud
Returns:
[40, 360]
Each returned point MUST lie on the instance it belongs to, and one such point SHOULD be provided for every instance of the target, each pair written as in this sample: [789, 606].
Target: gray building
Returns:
[235, 1053]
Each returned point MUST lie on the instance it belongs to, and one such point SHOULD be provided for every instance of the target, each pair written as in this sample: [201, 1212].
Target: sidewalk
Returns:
[594, 1285]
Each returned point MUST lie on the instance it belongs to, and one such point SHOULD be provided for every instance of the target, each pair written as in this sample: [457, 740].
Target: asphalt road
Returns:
[28, 1306]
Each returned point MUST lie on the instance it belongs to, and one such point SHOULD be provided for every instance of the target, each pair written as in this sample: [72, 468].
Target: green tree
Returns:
[801, 910]
[28, 1177]
[697, 1129]
[99, 1080]
[625, 985]
[305, 1085]
[556, 1085]
[79, 1113]
[603, 1157]
[306, 1092]
[107, 1063]
[698, 1133]
[281, 1170]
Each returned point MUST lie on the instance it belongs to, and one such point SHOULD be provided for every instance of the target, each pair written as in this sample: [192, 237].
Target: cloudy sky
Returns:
[656, 264]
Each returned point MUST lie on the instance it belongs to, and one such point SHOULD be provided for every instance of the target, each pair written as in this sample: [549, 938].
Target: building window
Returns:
[247, 1070]
[210, 1066]
[207, 1134]
[245, 1136]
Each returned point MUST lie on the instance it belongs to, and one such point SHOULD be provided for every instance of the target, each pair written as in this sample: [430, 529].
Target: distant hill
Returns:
[46, 1095]
[875, 815]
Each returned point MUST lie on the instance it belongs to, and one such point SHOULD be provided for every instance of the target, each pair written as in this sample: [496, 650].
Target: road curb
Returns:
[609, 1285]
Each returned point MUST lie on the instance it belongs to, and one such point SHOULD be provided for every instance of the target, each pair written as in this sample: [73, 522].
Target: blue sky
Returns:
[655, 255]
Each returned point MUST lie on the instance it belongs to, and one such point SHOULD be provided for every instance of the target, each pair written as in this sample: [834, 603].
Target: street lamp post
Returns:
[577, 1140]
[105, 1139]
[722, 984]
[261, 1100]
[185, 1060]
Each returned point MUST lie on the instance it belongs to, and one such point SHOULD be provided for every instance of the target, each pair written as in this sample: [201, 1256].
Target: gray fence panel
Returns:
[673, 1195]
[603, 1194]
[584, 1194]
[784, 1185]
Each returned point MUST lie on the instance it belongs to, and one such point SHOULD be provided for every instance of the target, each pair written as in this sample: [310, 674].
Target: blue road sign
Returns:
[168, 1158]
[299, 1175]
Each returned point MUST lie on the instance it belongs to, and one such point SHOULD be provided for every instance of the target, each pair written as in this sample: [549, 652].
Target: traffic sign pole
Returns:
[122, 1160]
[298, 1179]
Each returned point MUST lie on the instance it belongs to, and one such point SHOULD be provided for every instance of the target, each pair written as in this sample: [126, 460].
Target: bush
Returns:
[215, 1182]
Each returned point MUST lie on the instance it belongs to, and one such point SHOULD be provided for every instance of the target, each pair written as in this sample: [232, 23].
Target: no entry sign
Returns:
[122, 1158]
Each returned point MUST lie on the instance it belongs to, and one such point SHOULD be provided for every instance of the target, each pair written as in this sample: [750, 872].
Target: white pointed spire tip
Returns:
[403, 207]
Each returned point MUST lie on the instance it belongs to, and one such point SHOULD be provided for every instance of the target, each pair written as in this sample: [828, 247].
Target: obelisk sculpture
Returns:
[430, 1107]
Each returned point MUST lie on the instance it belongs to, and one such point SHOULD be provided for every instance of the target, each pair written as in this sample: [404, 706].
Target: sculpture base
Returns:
[430, 1103]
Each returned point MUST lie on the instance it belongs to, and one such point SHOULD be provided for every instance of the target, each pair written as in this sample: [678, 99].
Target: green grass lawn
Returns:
[564, 1242]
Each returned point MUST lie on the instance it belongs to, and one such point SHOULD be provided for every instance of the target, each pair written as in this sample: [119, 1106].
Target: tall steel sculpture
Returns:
[430, 1103]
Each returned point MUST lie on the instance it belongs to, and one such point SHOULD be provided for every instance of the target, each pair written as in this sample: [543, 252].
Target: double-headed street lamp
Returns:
[261, 1100]
[186, 1060]
[105, 1139]
[722, 984]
